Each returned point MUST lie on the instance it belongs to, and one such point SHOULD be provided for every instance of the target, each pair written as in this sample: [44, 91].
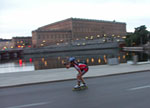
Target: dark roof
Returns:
[82, 19]
[4, 40]
[95, 20]
[17, 37]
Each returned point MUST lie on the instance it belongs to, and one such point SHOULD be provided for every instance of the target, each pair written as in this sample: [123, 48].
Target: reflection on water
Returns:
[56, 60]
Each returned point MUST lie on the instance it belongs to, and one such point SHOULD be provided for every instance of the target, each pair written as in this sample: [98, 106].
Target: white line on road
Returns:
[138, 88]
[29, 105]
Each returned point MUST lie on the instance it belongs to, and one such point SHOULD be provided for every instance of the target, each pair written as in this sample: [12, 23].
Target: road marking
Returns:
[29, 105]
[141, 87]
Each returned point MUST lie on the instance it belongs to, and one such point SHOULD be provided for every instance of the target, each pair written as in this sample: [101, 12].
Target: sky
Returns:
[21, 17]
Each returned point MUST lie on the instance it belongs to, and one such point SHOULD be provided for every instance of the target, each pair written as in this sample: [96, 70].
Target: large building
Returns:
[71, 29]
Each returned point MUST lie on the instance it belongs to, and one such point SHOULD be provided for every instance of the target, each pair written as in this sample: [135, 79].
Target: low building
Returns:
[22, 42]
[69, 30]
[5, 44]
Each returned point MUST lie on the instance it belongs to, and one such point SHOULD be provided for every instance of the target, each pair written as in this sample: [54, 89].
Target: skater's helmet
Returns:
[71, 59]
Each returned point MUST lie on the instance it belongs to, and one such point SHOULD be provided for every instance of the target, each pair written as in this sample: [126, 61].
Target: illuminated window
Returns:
[92, 60]
[87, 60]
[99, 60]
[83, 43]
[45, 63]
[86, 37]
[124, 56]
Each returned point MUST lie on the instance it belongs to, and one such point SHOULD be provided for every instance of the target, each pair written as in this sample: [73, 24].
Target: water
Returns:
[56, 60]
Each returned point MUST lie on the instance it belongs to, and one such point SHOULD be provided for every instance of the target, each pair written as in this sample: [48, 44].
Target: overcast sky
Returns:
[20, 17]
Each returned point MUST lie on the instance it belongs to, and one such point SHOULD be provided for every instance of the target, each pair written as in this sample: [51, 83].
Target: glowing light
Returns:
[92, 37]
[45, 63]
[92, 60]
[124, 37]
[118, 57]
[30, 60]
[99, 60]
[43, 59]
[124, 56]
[20, 62]
[44, 41]
[78, 60]
[86, 37]
[58, 58]
[19, 46]
[62, 62]
[83, 43]
[87, 60]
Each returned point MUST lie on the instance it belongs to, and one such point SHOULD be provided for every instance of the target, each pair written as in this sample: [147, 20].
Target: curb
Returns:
[89, 77]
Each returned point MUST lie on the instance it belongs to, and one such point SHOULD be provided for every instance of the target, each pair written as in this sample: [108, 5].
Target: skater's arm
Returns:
[67, 65]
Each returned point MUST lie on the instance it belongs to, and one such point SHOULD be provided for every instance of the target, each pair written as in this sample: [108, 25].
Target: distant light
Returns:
[92, 60]
[20, 62]
[124, 37]
[86, 37]
[118, 40]
[124, 56]
[30, 60]
[99, 60]
[45, 63]
[19, 46]
[87, 60]
[44, 41]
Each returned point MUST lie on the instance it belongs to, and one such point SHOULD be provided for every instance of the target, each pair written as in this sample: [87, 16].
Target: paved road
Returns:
[122, 91]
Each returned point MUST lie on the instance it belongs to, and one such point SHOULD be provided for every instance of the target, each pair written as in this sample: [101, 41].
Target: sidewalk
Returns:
[63, 74]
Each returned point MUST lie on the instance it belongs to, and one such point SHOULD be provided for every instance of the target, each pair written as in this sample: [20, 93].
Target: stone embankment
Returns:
[133, 48]
[70, 48]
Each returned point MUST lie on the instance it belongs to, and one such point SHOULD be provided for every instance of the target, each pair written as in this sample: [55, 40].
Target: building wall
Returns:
[87, 28]
[21, 42]
[45, 38]
[5, 45]
[76, 29]
[61, 25]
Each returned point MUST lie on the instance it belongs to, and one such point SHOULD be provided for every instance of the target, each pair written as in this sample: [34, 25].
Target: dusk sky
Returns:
[21, 17]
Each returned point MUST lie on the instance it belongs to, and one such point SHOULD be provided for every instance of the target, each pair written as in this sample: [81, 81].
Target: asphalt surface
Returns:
[120, 91]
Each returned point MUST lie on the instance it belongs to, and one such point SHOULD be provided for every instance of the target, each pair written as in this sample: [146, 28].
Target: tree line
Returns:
[139, 37]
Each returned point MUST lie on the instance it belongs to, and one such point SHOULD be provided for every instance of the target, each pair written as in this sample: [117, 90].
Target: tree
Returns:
[139, 37]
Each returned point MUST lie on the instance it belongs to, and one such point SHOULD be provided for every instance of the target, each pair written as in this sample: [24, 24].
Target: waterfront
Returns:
[56, 60]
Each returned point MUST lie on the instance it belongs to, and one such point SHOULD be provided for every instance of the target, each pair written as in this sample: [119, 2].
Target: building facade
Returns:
[71, 29]
[5, 44]
[22, 42]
